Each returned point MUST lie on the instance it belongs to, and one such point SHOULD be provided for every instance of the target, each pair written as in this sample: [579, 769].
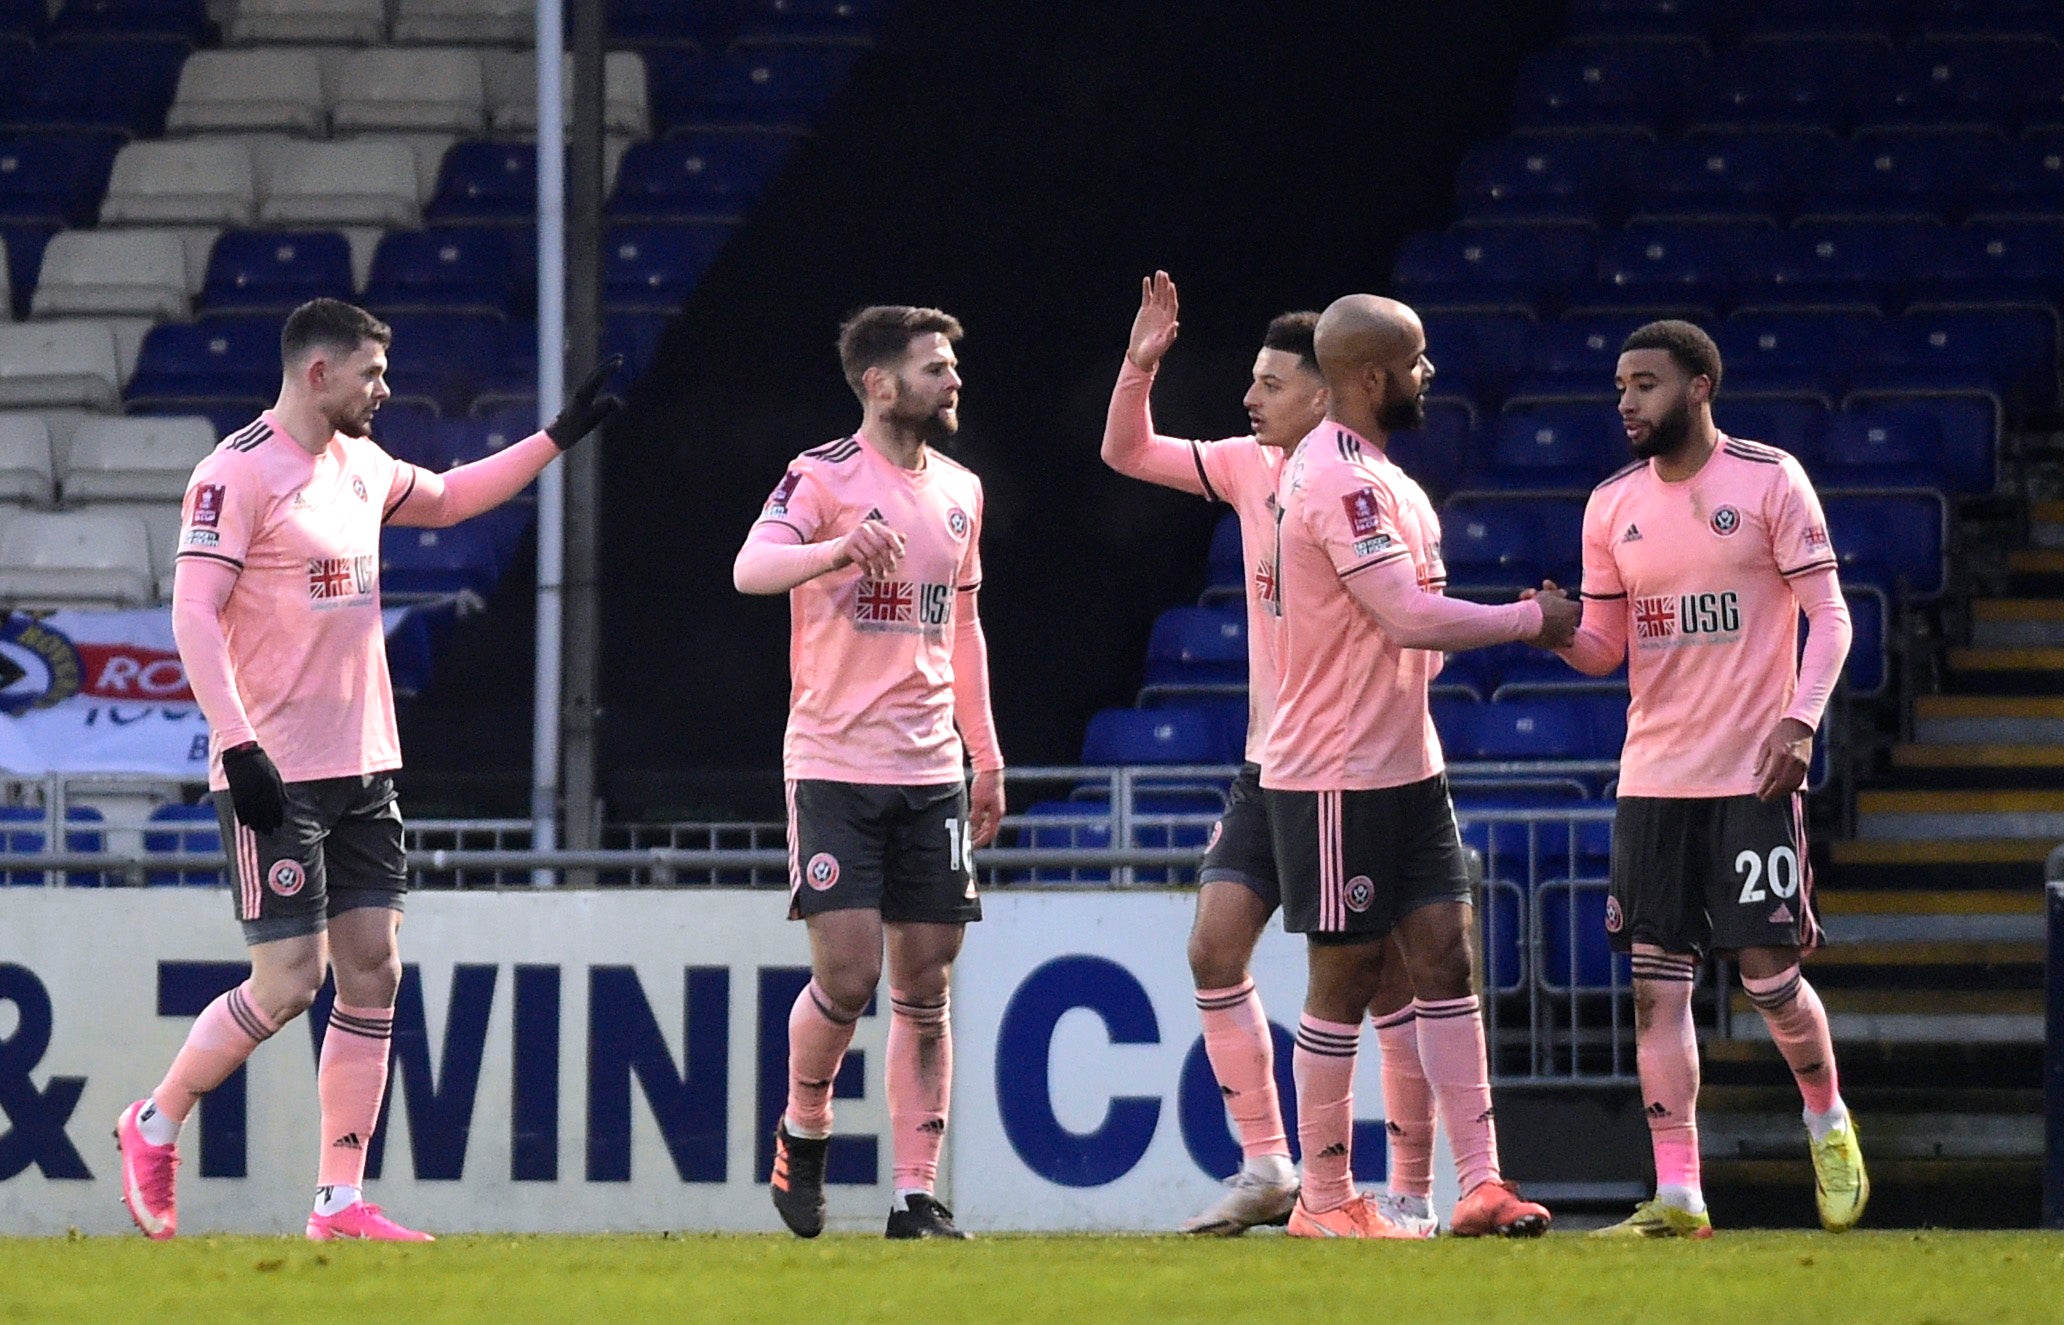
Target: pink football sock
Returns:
[1243, 1058]
[1451, 1050]
[1323, 1064]
[221, 1038]
[1798, 1023]
[920, 1088]
[1666, 1057]
[818, 1033]
[1407, 1106]
[351, 1078]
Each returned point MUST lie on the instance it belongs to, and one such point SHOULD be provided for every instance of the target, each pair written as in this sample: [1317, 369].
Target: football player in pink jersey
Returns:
[1698, 559]
[1358, 806]
[876, 539]
[1238, 889]
[276, 609]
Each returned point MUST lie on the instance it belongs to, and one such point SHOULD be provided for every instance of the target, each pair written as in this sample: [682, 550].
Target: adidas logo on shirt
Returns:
[1633, 534]
[874, 513]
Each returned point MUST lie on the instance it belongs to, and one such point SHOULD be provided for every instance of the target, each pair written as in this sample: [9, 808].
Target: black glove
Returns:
[255, 788]
[583, 413]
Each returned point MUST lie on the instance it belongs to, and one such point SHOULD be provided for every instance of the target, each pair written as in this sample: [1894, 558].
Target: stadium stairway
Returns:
[1933, 981]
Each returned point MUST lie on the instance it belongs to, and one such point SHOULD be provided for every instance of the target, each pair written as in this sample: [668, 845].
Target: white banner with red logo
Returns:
[102, 692]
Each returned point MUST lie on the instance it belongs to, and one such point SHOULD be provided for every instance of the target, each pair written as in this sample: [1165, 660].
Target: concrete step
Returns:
[1932, 866]
[2046, 524]
[1988, 719]
[1909, 815]
[2009, 851]
[1989, 660]
[2004, 623]
[2037, 561]
[1939, 755]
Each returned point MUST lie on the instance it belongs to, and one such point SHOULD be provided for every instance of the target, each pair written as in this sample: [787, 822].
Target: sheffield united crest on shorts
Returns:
[1361, 891]
[822, 871]
[286, 877]
[1613, 919]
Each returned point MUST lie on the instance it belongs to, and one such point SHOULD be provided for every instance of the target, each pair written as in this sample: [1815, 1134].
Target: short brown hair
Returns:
[329, 324]
[879, 337]
[1294, 333]
[1691, 348]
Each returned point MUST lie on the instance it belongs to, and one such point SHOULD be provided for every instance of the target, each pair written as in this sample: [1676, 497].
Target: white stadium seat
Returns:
[113, 272]
[512, 92]
[205, 181]
[25, 459]
[370, 182]
[490, 22]
[250, 90]
[309, 20]
[431, 89]
[70, 362]
[75, 558]
[135, 459]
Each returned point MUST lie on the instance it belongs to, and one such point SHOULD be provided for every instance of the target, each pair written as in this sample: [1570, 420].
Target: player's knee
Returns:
[1214, 963]
[286, 991]
[850, 985]
[1440, 966]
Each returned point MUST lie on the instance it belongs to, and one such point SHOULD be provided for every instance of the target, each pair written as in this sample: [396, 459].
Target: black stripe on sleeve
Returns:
[801, 537]
[1197, 455]
[402, 500]
[1600, 597]
[1827, 563]
[1383, 560]
[211, 556]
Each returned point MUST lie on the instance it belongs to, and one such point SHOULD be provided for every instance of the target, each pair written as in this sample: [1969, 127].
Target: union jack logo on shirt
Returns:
[1654, 617]
[331, 578]
[881, 602]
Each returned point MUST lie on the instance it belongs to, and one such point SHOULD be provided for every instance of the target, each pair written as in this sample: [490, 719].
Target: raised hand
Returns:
[874, 547]
[1154, 327]
[584, 412]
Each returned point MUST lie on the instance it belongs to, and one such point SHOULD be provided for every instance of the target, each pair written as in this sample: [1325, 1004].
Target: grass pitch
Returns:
[1865, 1276]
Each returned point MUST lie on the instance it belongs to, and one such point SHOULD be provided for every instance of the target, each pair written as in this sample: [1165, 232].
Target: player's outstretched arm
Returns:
[772, 561]
[977, 722]
[1131, 446]
[437, 501]
[1389, 592]
[1599, 643]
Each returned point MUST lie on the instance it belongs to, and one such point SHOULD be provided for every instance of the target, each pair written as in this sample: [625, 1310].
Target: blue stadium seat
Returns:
[408, 431]
[1969, 426]
[652, 268]
[123, 86]
[1868, 668]
[188, 828]
[1917, 174]
[55, 178]
[1993, 262]
[1893, 543]
[1861, 265]
[1571, 177]
[1225, 569]
[806, 23]
[1795, 353]
[705, 175]
[26, 840]
[1521, 852]
[1574, 358]
[485, 182]
[635, 336]
[1789, 425]
[1977, 18]
[1507, 266]
[1865, 19]
[1789, 84]
[1671, 264]
[665, 23]
[1554, 447]
[1639, 18]
[274, 271]
[1548, 727]
[436, 563]
[228, 359]
[768, 87]
[2008, 353]
[447, 269]
[1439, 452]
[1197, 646]
[1174, 735]
[674, 77]
[1084, 823]
[2026, 179]
[1883, 446]
[441, 357]
[1477, 354]
[1225, 710]
[102, 20]
[1982, 80]
[1499, 545]
[1605, 84]
[1743, 174]
[1575, 953]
